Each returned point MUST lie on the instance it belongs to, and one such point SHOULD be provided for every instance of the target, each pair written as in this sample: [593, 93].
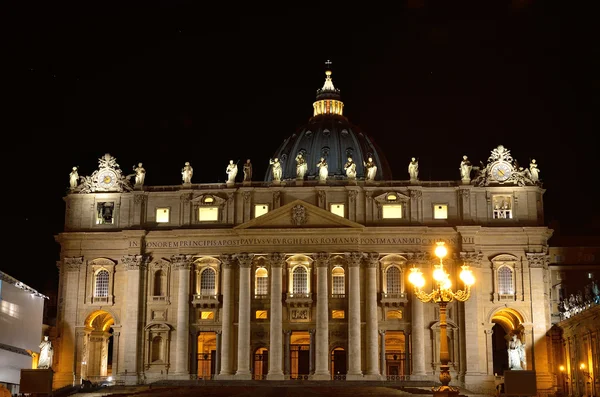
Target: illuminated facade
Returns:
[300, 279]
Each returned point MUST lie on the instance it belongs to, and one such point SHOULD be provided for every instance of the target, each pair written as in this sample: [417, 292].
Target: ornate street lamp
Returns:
[442, 294]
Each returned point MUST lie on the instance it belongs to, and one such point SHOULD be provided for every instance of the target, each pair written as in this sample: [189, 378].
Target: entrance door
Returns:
[261, 364]
[300, 357]
[338, 363]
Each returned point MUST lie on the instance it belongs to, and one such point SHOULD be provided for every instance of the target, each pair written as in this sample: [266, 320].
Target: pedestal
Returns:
[299, 182]
[466, 181]
[36, 381]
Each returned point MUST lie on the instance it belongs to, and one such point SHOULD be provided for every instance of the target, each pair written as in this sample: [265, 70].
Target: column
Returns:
[371, 315]
[418, 337]
[489, 349]
[115, 350]
[287, 358]
[382, 357]
[132, 324]
[194, 352]
[275, 343]
[311, 352]
[406, 352]
[218, 353]
[182, 265]
[354, 351]
[322, 330]
[243, 354]
[226, 372]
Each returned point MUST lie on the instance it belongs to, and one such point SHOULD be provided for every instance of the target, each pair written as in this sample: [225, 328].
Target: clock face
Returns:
[107, 178]
[501, 171]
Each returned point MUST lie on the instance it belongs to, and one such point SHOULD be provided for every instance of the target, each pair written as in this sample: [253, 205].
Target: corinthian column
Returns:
[181, 264]
[226, 318]
[132, 324]
[371, 314]
[243, 355]
[275, 332]
[354, 352]
[322, 331]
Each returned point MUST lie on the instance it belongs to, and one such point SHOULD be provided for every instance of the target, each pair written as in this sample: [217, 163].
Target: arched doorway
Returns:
[97, 346]
[339, 366]
[300, 355]
[395, 354]
[207, 354]
[261, 364]
[506, 322]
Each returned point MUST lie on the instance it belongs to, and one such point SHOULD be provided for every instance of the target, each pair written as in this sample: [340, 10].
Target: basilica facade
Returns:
[303, 275]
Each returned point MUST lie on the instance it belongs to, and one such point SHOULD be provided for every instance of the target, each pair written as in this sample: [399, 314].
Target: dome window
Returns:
[208, 200]
[308, 133]
[344, 132]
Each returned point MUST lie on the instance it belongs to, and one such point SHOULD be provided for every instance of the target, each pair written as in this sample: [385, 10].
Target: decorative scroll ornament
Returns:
[503, 169]
[321, 259]
[299, 216]
[354, 258]
[244, 260]
[276, 259]
[72, 264]
[373, 259]
[181, 261]
[226, 260]
[107, 178]
[134, 262]
[473, 259]
[538, 260]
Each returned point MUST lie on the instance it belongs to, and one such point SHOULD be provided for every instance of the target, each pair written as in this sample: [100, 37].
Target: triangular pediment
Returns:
[299, 214]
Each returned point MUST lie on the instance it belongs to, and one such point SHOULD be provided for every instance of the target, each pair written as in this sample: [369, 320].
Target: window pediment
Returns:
[208, 200]
[391, 197]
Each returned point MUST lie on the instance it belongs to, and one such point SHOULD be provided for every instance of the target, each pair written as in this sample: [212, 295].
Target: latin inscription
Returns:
[286, 241]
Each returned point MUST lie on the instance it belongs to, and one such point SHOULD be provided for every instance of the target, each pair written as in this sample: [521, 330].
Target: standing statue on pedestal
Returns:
[140, 174]
[301, 166]
[276, 169]
[516, 354]
[247, 171]
[46, 353]
[413, 169]
[465, 169]
[323, 170]
[186, 172]
[73, 178]
[350, 168]
[371, 169]
[231, 171]
[534, 171]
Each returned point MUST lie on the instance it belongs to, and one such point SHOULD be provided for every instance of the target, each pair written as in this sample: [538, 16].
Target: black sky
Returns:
[167, 82]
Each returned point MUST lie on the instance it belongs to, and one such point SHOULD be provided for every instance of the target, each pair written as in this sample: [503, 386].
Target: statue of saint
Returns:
[534, 171]
[247, 171]
[46, 353]
[465, 169]
[187, 172]
[231, 171]
[413, 169]
[350, 168]
[516, 354]
[323, 170]
[301, 166]
[140, 174]
[371, 169]
[73, 178]
[276, 169]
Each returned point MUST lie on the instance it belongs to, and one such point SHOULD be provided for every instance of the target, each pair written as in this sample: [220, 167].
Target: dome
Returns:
[330, 135]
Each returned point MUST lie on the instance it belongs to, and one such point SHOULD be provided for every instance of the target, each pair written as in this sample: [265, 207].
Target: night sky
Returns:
[168, 82]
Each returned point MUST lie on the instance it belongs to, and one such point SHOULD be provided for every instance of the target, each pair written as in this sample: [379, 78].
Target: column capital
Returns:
[354, 258]
[472, 259]
[382, 332]
[538, 259]
[372, 259]
[244, 260]
[287, 332]
[321, 259]
[276, 259]
[181, 262]
[226, 260]
[72, 264]
[135, 262]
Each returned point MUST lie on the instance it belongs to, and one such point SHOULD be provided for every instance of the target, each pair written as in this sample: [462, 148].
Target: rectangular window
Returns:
[208, 214]
[337, 209]
[262, 286]
[105, 213]
[502, 207]
[337, 314]
[260, 209]
[392, 211]
[440, 211]
[261, 315]
[162, 215]
[207, 315]
[338, 285]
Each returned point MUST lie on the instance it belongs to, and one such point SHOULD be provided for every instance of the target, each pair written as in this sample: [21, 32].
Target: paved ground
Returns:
[266, 391]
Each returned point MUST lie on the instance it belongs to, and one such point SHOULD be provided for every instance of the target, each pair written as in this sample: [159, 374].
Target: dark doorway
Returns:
[338, 362]
[499, 346]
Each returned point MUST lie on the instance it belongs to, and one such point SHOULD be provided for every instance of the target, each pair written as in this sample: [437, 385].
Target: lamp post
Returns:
[565, 379]
[442, 294]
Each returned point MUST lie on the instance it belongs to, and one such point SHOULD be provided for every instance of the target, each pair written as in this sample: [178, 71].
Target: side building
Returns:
[303, 275]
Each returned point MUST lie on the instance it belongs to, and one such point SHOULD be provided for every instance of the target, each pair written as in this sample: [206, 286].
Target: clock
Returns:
[501, 171]
[107, 179]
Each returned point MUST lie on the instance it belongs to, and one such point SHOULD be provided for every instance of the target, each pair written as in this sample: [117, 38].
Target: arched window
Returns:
[101, 284]
[156, 349]
[262, 282]
[207, 282]
[158, 290]
[393, 280]
[338, 281]
[300, 280]
[505, 281]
